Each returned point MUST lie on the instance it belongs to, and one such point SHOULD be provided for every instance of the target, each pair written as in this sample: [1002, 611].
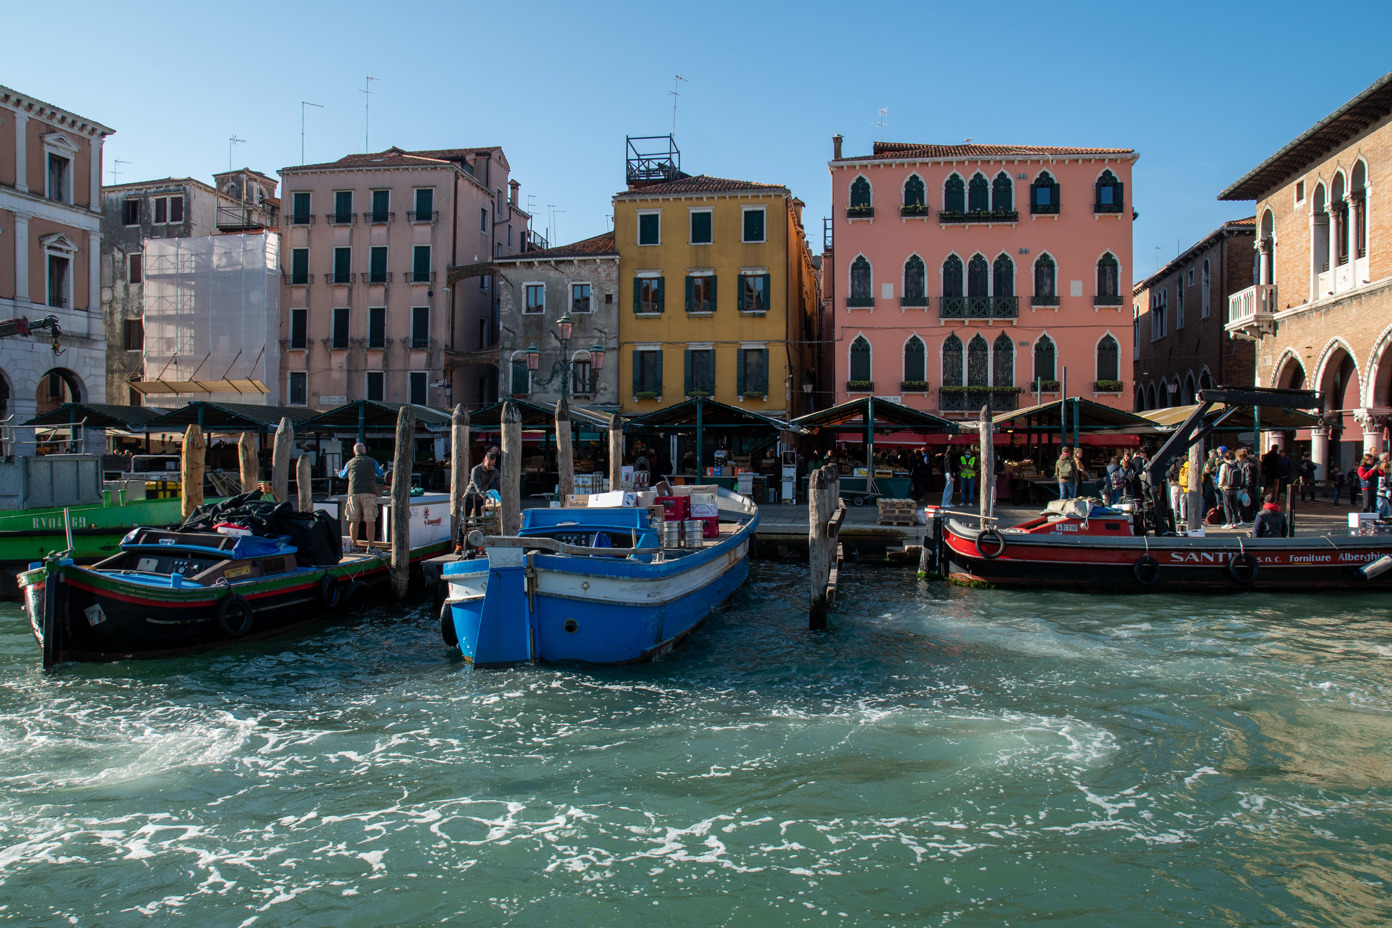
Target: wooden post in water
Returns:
[565, 454]
[616, 453]
[824, 514]
[510, 480]
[402, 466]
[249, 464]
[459, 468]
[986, 470]
[304, 489]
[280, 459]
[191, 490]
[1195, 497]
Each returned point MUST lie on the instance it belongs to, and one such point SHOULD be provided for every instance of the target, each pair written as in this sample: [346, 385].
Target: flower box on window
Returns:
[859, 302]
[1047, 386]
[646, 395]
[1106, 386]
[860, 212]
[860, 386]
[755, 395]
[979, 215]
[913, 386]
[697, 395]
[913, 209]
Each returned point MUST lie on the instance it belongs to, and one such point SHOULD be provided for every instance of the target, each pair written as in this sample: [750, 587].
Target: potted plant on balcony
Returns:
[646, 395]
[860, 386]
[1048, 386]
[913, 209]
[857, 212]
[913, 386]
[1107, 386]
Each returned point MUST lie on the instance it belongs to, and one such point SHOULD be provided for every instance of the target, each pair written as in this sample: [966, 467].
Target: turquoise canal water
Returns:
[941, 757]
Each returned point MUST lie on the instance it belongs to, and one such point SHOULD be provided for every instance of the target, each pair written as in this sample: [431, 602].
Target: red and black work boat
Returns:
[1085, 546]
[174, 592]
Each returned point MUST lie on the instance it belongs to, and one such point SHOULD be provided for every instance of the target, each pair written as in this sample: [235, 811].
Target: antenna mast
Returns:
[303, 104]
[675, 92]
[367, 111]
[116, 169]
[884, 111]
[231, 142]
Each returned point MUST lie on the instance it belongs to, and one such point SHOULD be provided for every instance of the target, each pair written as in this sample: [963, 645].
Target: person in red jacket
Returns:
[1368, 474]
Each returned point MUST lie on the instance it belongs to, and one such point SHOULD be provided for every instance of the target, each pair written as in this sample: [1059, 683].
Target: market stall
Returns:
[871, 419]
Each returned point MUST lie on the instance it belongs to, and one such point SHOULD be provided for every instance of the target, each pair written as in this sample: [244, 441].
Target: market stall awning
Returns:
[885, 415]
[538, 415]
[708, 414]
[1074, 413]
[371, 414]
[229, 417]
[100, 416]
[1241, 420]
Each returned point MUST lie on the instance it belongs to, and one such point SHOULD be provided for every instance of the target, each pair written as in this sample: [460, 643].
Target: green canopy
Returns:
[100, 416]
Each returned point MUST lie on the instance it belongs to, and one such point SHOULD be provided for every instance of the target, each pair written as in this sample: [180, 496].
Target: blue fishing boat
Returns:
[600, 586]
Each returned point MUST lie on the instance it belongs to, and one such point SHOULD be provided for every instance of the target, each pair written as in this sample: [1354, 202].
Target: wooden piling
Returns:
[280, 459]
[1195, 504]
[191, 489]
[986, 469]
[616, 453]
[825, 511]
[511, 477]
[304, 489]
[249, 464]
[459, 467]
[402, 467]
[565, 454]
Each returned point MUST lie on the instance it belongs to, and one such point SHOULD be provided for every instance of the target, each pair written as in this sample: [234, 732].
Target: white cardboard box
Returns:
[612, 499]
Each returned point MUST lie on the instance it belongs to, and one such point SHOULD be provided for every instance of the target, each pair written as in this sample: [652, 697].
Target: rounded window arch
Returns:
[952, 277]
[1003, 361]
[952, 368]
[1108, 280]
[954, 194]
[1108, 193]
[861, 282]
[860, 193]
[1190, 390]
[1003, 277]
[914, 194]
[978, 276]
[1045, 281]
[1044, 194]
[978, 362]
[979, 194]
[1339, 214]
[915, 362]
[1358, 200]
[1045, 359]
[860, 360]
[1002, 194]
[1319, 237]
[1205, 380]
[915, 282]
[1108, 359]
[56, 387]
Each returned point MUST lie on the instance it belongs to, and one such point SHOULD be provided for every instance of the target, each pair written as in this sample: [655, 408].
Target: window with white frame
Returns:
[376, 386]
[298, 388]
[376, 327]
[169, 209]
[299, 328]
[418, 383]
[1158, 305]
[339, 333]
[580, 298]
[60, 253]
[130, 211]
[701, 227]
[420, 327]
[582, 374]
[754, 230]
[650, 227]
[59, 155]
[534, 298]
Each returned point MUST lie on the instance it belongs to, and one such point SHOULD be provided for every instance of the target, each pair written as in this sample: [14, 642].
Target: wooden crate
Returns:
[896, 511]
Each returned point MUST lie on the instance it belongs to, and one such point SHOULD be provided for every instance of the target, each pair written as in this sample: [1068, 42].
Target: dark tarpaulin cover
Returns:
[315, 534]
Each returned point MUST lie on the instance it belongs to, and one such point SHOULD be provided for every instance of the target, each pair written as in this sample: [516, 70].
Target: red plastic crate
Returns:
[710, 527]
[678, 508]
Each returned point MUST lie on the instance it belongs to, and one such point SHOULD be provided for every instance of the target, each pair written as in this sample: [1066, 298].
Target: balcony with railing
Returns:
[341, 219]
[971, 399]
[1250, 311]
[978, 307]
[978, 215]
[378, 217]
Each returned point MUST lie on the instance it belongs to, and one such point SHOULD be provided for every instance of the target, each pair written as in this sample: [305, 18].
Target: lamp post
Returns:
[564, 368]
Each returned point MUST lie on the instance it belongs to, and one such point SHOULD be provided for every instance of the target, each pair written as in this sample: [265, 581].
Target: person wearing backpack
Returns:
[1305, 474]
[1230, 479]
[1066, 473]
[1116, 481]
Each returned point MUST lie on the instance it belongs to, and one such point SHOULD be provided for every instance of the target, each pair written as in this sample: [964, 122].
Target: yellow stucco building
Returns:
[716, 295]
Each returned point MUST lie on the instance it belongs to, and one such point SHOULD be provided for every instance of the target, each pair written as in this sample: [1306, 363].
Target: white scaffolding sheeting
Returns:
[212, 320]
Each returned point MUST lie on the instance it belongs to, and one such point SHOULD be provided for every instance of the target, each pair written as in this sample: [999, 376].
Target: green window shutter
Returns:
[637, 357]
[689, 307]
[739, 296]
[739, 372]
[637, 293]
[768, 291]
[686, 375]
[1120, 199]
[659, 372]
[660, 306]
[710, 294]
[764, 378]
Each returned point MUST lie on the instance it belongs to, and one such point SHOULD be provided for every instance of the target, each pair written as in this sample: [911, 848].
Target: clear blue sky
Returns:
[1204, 91]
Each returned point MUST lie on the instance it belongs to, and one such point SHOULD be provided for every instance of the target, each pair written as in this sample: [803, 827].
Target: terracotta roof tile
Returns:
[590, 247]
[890, 150]
[394, 158]
[700, 183]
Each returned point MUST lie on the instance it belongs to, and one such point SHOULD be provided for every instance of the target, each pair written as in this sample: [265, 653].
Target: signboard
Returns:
[333, 400]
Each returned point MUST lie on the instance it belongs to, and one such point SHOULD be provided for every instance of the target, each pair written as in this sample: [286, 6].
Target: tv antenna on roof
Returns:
[884, 111]
[230, 142]
[367, 111]
[676, 87]
[116, 168]
[303, 104]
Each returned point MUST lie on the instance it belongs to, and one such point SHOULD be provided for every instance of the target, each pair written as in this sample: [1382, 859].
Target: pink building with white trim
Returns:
[966, 274]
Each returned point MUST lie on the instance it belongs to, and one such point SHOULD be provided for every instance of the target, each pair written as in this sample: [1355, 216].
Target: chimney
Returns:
[836, 147]
[486, 157]
[512, 196]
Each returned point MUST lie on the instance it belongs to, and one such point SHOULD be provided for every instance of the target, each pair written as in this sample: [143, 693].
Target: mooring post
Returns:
[1195, 497]
[248, 463]
[191, 489]
[824, 514]
[402, 466]
[280, 459]
[986, 471]
[511, 477]
[616, 453]
[304, 489]
[459, 468]
[565, 454]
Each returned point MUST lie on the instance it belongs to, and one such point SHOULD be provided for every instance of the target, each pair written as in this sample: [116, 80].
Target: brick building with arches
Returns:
[1320, 309]
[964, 275]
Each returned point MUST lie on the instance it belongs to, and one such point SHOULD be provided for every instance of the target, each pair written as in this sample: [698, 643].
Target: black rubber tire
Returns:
[447, 631]
[1146, 570]
[857, 501]
[1243, 568]
[994, 538]
[330, 592]
[235, 615]
[354, 598]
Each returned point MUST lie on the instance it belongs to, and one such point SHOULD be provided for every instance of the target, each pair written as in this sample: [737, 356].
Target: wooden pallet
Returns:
[896, 512]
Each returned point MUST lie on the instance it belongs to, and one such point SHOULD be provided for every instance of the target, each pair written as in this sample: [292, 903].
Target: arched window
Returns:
[954, 194]
[1338, 207]
[1003, 361]
[1003, 276]
[860, 283]
[1045, 282]
[915, 282]
[913, 192]
[1002, 194]
[1205, 381]
[1190, 388]
[1044, 358]
[1108, 365]
[1109, 194]
[1358, 199]
[978, 276]
[1206, 292]
[978, 362]
[1044, 194]
[860, 360]
[952, 276]
[1108, 281]
[860, 193]
[952, 361]
[978, 194]
[915, 362]
[1319, 244]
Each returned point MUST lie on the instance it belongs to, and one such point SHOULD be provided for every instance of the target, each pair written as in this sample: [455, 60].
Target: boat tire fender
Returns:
[1146, 570]
[1243, 568]
[235, 615]
[990, 544]
[330, 592]
[354, 597]
[447, 630]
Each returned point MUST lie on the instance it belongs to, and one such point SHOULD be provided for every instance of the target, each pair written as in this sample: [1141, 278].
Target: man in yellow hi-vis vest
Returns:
[966, 469]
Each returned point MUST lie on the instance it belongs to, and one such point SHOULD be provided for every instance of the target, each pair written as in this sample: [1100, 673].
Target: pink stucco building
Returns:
[963, 275]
